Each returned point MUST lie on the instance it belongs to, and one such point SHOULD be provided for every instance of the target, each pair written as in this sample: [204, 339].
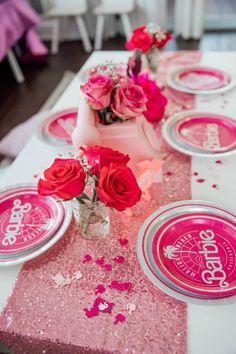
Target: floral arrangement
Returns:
[147, 37]
[100, 175]
[149, 40]
[119, 93]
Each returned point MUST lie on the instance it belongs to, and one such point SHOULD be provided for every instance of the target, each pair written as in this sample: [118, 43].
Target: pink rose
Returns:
[117, 187]
[98, 91]
[65, 178]
[99, 156]
[156, 102]
[129, 101]
[140, 39]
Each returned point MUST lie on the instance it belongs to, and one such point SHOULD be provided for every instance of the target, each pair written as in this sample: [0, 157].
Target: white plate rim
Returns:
[60, 232]
[171, 82]
[179, 148]
[158, 283]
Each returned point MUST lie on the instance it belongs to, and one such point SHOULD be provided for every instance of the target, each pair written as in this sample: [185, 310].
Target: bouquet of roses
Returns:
[101, 174]
[119, 93]
[147, 37]
[149, 40]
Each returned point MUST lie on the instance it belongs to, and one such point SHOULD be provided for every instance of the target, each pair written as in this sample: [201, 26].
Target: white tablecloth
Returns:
[211, 329]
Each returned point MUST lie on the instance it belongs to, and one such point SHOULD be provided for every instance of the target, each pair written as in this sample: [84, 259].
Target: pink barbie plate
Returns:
[188, 250]
[29, 223]
[200, 80]
[201, 134]
[57, 129]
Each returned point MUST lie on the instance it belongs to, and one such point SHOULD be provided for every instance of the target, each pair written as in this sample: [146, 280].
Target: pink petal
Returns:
[99, 289]
[87, 258]
[119, 259]
[119, 318]
[123, 241]
[100, 261]
[121, 286]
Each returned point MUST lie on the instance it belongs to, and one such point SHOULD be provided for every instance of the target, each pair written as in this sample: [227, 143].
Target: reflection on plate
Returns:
[200, 80]
[57, 128]
[201, 134]
[188, 250]
[29, 223]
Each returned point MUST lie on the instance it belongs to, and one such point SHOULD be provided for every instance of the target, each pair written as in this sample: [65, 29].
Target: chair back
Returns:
[120, 3]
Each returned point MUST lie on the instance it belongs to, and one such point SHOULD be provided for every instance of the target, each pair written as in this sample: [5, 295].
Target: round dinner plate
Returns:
[57, 129]
[201, 134]
[200, 80]
[29, 223]
[188, 250]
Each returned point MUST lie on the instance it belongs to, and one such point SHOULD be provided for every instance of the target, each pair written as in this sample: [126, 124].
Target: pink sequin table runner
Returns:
[46, 316]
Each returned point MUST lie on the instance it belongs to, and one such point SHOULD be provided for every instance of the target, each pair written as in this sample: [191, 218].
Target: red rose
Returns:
[65, 178]
[99, 156]
[156, 102]
[140, 39]
[129, 101]
[117, 187]
[98, 91]
[161, 38]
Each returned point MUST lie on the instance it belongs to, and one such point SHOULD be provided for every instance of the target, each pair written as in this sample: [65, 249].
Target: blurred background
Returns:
[43, 43]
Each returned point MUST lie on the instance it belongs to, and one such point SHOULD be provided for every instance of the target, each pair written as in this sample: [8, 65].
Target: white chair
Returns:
[113, 7]
[57, 9]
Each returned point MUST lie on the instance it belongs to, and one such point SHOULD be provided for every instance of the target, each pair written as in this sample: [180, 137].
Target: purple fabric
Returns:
[16, 20]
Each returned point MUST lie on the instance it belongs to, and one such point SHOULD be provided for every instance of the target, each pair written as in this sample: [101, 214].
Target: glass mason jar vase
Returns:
[151, 61]
[92, 219]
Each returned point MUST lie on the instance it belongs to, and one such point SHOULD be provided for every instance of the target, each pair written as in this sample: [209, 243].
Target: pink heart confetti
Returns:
[99, 305]
[119, 259]
[107, 267]
[100, 261]
[121, 286]
[119, 318]
[200, 180]
[87, 258]
[168, 173]
[123, 241]
[99, 289]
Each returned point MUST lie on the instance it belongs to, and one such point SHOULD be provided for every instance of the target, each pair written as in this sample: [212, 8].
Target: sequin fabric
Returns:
[43, 318]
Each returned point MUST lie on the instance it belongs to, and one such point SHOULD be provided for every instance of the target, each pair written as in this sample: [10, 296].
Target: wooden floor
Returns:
[19, 102]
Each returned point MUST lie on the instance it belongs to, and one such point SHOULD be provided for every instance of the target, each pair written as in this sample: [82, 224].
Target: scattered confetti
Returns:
[119, 259]
[61, 281]
[87, 258]
[200, 180]
[215, 186]
[219, 162]
[168, 173]
[121, 286]
[99, 305]
[123, 241]
[131, 308]
[35, 175]
[119, 318]
[195, 173]
[100, 261]
[107, 267]
[77, 275]
[99, 289]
